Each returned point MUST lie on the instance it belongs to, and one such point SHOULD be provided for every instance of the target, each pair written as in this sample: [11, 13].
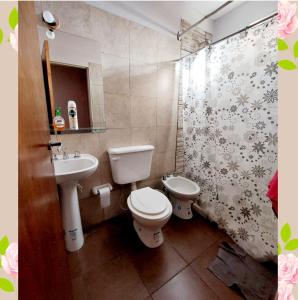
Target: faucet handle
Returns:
[54, 144]
[77, 154]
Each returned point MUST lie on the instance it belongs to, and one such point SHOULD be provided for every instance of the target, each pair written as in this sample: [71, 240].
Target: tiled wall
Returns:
[140, 91]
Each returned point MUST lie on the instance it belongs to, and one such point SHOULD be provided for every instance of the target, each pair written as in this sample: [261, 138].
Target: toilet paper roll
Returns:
[105, 197]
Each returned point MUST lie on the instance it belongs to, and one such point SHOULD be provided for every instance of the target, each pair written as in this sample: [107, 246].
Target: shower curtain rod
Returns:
[230, 35]
[180, 34]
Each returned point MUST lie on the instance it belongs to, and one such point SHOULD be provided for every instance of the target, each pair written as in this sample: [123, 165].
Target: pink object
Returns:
[273, 192]
[287, 19]
[288, 268]
[9, 261]
[285, 291]
[14, 40]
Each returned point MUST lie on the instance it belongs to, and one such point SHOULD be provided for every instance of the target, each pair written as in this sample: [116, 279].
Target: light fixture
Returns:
[51, 22]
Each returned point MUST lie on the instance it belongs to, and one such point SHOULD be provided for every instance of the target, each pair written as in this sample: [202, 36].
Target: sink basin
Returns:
[73, 169]
[68, 172]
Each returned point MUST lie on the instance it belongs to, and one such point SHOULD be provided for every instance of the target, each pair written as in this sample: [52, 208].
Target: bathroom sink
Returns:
[68, 172]
[74, 168]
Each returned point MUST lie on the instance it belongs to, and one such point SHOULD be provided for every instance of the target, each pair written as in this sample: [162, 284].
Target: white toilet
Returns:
[182, 192]
[150, 209]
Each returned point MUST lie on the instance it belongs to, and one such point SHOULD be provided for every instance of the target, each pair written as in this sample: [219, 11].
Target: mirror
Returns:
[73, 82]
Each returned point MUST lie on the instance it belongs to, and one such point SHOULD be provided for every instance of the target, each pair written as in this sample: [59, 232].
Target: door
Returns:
[47, 75]
[44, 270]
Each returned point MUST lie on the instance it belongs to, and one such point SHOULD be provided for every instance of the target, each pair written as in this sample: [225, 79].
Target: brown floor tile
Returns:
[114, 263]
[200, 266]
[117, 279]
[191, 237]
[185, 285]
[74, 264]
[78, 289]
[103, 244]
[156, 266]
[96, 250]
[123, 236]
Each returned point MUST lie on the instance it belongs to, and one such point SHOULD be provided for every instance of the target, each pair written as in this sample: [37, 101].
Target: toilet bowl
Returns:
[182, 193]
[151, 210]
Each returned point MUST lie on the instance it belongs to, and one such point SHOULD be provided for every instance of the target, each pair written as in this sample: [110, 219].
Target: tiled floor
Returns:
[113, 264]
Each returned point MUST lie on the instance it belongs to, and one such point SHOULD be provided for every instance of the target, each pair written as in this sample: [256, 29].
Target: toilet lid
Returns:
[148, 201]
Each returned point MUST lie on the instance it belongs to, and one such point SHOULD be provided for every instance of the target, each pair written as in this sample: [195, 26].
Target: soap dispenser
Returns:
[58, 122]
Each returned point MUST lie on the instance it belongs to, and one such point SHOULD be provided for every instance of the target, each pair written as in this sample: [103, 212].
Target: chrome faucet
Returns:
[77, 154]
[65, 155]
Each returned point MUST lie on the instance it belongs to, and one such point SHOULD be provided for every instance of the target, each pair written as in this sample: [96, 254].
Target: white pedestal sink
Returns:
[68, 172]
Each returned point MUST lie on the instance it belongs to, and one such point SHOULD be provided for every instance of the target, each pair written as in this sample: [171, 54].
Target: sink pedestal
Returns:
[72, 225]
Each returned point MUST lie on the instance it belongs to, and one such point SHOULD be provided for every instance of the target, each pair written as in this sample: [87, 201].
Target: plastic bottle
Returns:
[58, 122]
[72, 115]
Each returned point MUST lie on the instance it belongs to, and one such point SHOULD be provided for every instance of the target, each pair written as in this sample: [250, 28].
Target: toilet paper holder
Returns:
[96, 189]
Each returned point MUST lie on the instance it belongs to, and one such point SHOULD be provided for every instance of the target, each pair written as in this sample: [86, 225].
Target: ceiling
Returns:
[166, 15]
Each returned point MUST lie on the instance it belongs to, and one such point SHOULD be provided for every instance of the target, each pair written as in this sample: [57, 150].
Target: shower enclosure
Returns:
[229, 93]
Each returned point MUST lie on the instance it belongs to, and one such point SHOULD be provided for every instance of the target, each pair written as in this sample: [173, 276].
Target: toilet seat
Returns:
[148, 201]
[149, 204]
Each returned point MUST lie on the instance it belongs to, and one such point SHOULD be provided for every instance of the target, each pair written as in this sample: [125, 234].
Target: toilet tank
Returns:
[131, 164]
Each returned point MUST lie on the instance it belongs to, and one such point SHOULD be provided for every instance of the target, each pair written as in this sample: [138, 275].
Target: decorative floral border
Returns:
[287, 262]
[9, 263]
[287, 25]
[9, 251]
[13, 20]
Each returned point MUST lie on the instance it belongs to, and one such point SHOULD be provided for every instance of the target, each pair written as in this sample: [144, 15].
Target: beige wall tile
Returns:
[113, 138]
[91, 212]
[143, 136]
[106, 174]
[96, 100]
[68, 48]
[167, 111]
[114, 209]
[113, 32]
[154, 167]
[75, 17]
[89, 182]
[153, 183]
[167, 83]
[143, 111]
[166, 163]
[143, 44]
[95, 73]
[38, 7]
[168, 48]
[166, 138]
[143, 80]
[117, 111]
[115, 74]
[83, 142]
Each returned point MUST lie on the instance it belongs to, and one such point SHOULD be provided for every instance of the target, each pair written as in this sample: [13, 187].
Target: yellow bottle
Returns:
[58, 122]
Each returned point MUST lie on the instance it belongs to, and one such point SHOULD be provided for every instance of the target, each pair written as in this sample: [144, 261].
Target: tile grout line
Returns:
[188, 264]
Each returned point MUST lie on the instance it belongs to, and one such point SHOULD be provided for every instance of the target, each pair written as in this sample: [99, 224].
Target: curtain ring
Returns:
[208, 45]
[246, 30]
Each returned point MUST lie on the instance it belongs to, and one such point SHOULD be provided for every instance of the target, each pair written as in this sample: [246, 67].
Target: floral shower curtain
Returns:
[230, 134]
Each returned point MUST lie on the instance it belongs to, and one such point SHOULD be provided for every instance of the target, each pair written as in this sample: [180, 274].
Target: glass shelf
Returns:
[80, 130]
